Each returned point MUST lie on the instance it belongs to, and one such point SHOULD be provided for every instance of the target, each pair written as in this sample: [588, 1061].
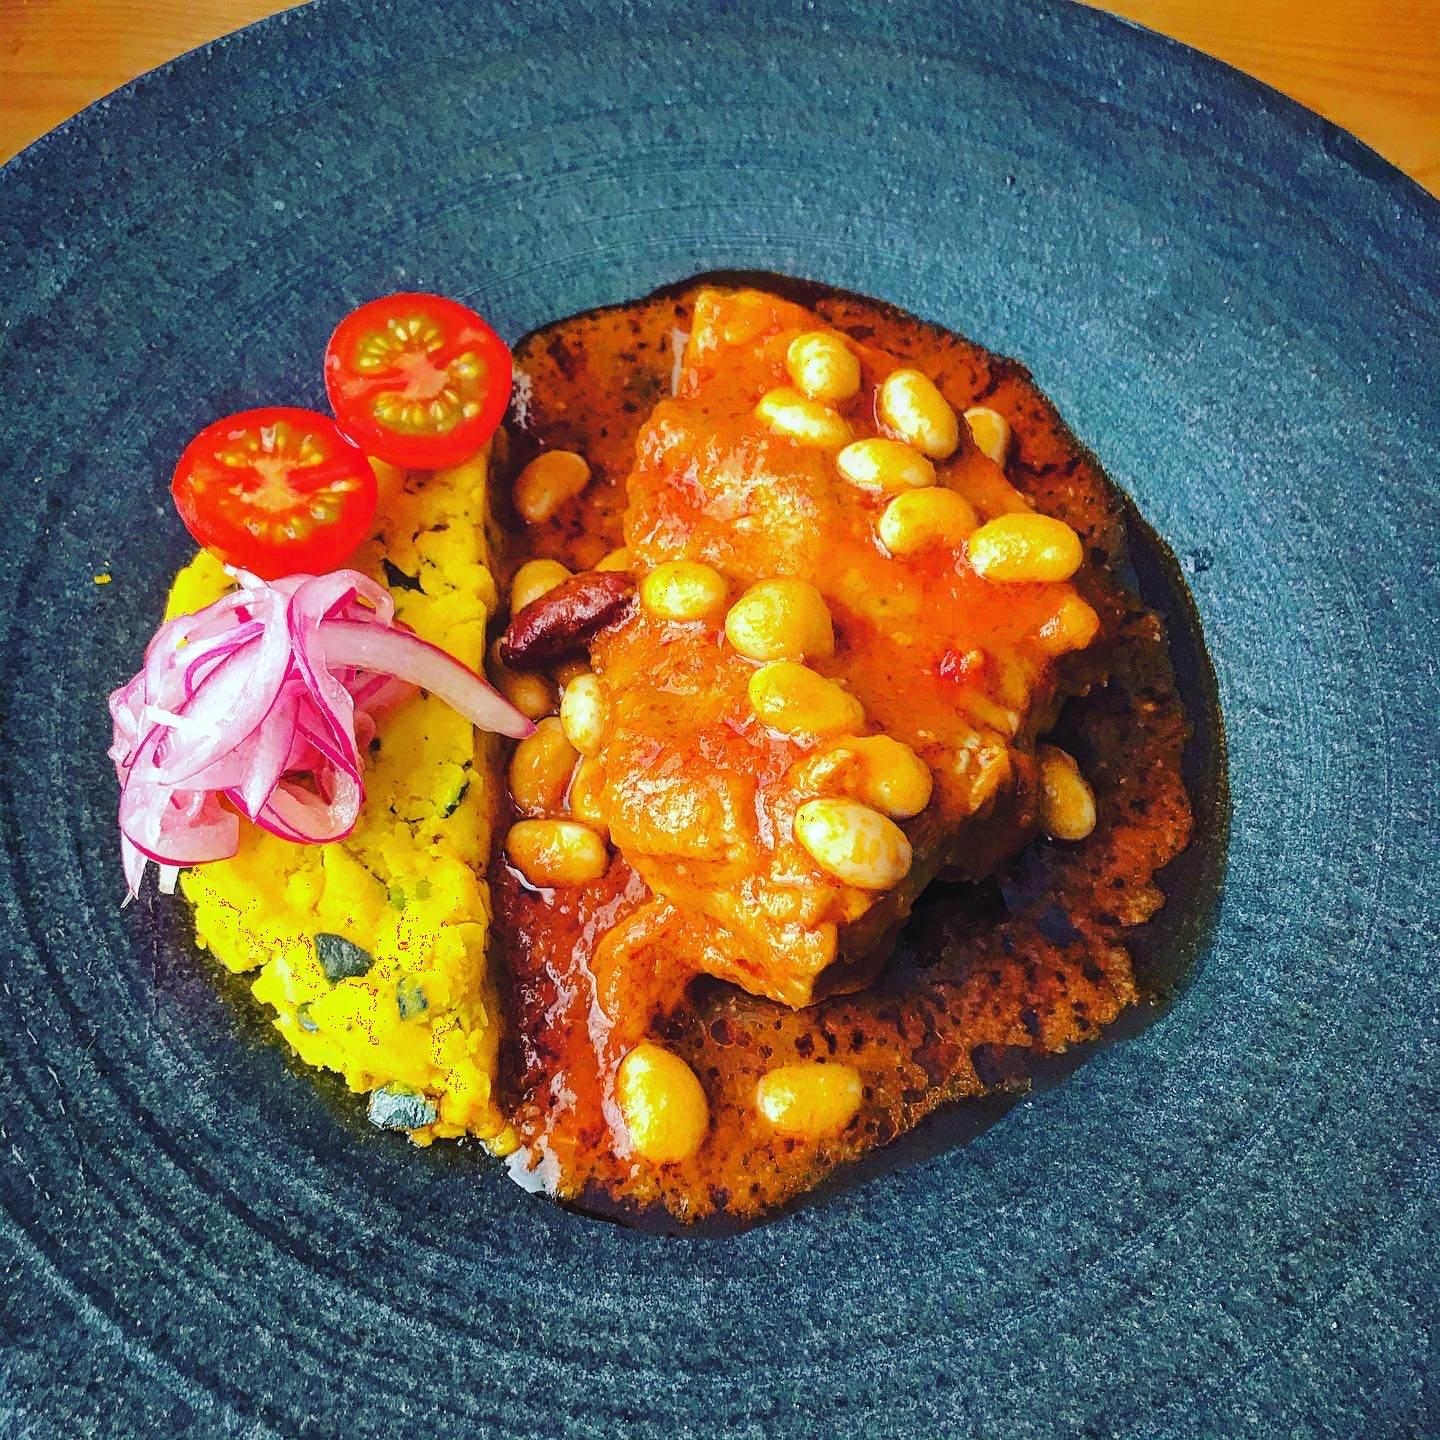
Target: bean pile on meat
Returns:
[797, 636]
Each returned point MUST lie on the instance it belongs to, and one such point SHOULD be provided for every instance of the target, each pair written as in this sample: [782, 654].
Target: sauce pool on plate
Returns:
[989, 975]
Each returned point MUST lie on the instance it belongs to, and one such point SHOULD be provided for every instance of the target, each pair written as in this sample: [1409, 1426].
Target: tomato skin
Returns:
[417, 380]
[276, 491]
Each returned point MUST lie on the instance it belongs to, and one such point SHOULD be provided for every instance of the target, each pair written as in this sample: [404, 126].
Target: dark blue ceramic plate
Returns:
[1226, 1225]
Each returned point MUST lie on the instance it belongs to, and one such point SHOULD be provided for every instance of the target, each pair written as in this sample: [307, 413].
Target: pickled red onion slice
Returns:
[263, 704]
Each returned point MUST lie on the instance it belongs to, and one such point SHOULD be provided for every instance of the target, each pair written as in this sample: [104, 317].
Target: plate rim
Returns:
[1356, 154]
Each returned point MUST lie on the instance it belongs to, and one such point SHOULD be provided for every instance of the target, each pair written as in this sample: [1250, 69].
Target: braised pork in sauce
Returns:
[676, 947]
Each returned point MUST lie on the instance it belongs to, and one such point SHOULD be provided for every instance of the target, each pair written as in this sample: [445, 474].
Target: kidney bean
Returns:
[564, 620]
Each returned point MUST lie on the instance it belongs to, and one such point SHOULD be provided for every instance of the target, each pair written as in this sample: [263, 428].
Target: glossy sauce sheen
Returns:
[978, 984]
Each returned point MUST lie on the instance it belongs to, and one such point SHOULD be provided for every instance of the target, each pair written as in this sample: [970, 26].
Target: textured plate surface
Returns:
[1224, 1226]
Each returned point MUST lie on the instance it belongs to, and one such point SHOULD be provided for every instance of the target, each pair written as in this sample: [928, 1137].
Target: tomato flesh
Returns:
[417, 380]
[277, 491]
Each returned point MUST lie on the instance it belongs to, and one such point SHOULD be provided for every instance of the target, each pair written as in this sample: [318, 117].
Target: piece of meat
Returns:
[700, 795]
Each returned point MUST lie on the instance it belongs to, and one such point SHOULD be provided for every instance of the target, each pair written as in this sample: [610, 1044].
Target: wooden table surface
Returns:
[1371, 67]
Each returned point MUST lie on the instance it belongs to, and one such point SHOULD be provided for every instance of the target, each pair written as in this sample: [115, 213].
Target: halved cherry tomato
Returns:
[417, 380]
[278, 491]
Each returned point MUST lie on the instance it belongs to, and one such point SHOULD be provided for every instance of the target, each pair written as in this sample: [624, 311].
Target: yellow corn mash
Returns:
[419, 1028]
